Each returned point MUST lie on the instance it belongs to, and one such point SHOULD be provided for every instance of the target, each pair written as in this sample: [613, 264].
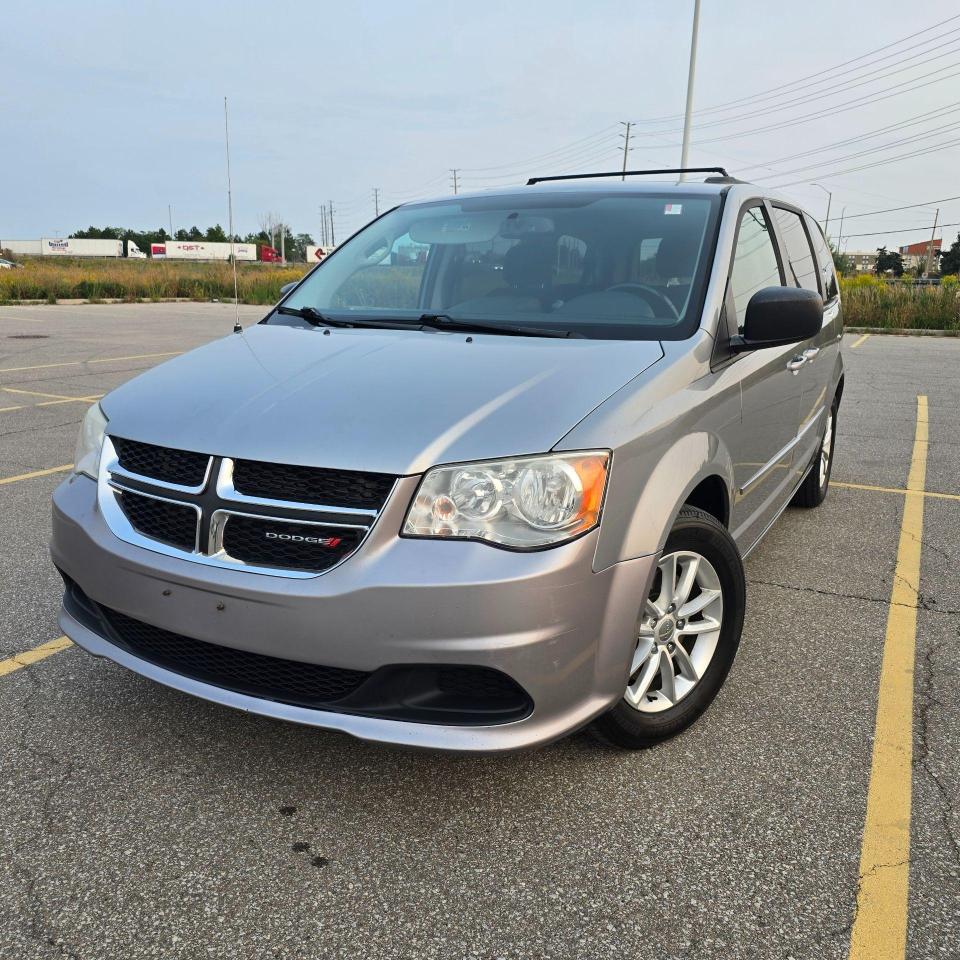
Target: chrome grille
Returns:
[180, 467]
[163, 520]
[267, 527]
[279, 481]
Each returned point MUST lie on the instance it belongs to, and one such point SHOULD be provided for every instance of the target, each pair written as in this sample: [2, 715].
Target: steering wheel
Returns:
[653, 297]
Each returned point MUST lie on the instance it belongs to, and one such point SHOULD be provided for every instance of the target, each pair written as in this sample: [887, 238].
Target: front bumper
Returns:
[560, 630]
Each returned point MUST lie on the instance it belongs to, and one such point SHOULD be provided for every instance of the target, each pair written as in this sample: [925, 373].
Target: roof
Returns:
[633, 186]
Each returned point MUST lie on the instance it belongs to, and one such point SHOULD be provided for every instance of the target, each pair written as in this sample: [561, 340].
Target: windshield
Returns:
[595, 264]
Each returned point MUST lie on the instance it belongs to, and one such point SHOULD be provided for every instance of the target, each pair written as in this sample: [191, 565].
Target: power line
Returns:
[946, 128]
[908, 206]
[854, 104]
[543, 156]
[889, 128]
[879, 163]
[879, 233]
[853, 82]
[820, 74]
[778, 107]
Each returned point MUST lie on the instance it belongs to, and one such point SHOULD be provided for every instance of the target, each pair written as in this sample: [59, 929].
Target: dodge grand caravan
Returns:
[485, 476]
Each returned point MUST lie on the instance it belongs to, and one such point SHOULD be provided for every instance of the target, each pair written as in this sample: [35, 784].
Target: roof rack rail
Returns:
[628, 173]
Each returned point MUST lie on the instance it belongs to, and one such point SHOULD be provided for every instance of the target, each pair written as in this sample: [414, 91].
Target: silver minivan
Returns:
[485, 476]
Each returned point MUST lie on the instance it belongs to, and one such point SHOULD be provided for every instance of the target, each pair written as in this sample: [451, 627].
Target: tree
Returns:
[888, 261]
[215, 234]
[950, 259]
[841, 262]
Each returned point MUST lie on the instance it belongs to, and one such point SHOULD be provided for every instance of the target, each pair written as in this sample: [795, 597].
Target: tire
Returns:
[813, 491]
[647, 714]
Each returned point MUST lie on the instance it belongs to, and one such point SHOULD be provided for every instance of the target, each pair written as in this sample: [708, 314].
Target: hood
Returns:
[391, 401]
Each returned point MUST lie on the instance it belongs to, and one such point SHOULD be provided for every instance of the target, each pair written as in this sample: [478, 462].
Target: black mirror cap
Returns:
[777, 316]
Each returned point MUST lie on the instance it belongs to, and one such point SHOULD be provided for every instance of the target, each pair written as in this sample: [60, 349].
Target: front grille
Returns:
[339, 488]
[228, 512]
[161, 463]
[284, 545]
[159, 519]
[255, 674]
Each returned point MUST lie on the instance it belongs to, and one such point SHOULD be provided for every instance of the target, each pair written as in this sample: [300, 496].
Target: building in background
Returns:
[915, 254]
[862, 261]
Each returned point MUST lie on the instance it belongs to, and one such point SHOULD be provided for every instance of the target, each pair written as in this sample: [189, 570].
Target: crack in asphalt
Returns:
[40, 926]
[847, 929]
[923, 601]
[926, 701]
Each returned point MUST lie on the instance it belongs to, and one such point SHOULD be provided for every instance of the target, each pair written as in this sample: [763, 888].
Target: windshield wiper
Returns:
[313, 316]
[443, 321]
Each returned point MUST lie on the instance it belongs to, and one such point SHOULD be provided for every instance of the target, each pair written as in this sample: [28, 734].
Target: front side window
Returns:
[800, 266]
[755, 261]
[599, 265]
[828, 274]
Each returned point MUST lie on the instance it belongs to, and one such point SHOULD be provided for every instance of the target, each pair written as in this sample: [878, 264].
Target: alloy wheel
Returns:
[677, 633]
[826, 449]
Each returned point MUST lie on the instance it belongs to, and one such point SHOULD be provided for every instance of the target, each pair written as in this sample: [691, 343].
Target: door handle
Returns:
[811, 352]
[796, 363]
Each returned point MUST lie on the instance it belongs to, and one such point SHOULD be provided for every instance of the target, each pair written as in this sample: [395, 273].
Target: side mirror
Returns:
[287, 287]
[777, 316]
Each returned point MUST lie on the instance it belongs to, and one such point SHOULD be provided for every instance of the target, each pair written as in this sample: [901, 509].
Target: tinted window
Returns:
[800, 266]
[607, 266]
[754, 263]
[828, 274]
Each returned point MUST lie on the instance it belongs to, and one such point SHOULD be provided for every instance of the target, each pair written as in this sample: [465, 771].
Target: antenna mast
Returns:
[233, 255]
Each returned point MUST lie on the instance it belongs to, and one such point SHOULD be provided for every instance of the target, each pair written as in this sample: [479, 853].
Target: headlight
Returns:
[523, 503]
[90, 442]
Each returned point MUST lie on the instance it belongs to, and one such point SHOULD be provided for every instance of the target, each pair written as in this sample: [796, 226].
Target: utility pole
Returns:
[170, 217]
[843, 213]
[333, 235]
[685, 149]
[323, 225]
[376, 201]
[456, 184]
[933, 234]
[829, 193]
[626, 145]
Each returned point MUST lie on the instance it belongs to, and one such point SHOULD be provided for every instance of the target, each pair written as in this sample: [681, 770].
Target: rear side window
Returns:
[825, 257]
[754, 263]
[800, 266]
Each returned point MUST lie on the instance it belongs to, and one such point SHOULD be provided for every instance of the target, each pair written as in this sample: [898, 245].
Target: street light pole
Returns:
[685, 149]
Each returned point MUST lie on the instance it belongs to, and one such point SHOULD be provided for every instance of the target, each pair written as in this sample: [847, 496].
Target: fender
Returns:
[636, 523]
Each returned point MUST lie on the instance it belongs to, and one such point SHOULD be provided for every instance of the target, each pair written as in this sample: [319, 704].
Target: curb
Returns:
[903, 332]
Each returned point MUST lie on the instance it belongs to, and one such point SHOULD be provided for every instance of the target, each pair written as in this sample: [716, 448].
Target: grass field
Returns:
[65, 279]
[898, 305]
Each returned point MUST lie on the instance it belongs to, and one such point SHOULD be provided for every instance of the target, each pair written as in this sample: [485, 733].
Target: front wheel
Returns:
[687, 634]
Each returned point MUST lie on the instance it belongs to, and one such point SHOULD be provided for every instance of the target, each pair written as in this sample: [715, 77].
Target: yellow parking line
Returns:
[74, 363]
[913, 493]
[880, 925]
[20, 660]
[36, 473]
[853, 346]
[37, 393]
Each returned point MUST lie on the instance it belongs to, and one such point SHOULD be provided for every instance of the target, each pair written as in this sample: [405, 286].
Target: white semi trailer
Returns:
[206, 250]
[66, 247]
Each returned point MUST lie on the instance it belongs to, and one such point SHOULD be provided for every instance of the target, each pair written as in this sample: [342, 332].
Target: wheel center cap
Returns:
[665, 629]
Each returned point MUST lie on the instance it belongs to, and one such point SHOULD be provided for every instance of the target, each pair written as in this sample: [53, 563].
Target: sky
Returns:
[111, 111]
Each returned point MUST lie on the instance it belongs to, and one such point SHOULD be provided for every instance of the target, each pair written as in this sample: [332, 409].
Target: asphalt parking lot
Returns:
[137, 822]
